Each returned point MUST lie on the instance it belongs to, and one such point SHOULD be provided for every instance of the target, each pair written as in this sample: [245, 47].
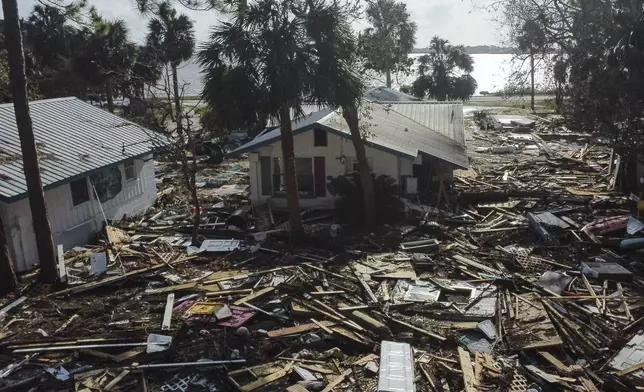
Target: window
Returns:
[304, 174]
[80, 193]
[277, 175]
[319, 138]
[130, 173]
[265, 169]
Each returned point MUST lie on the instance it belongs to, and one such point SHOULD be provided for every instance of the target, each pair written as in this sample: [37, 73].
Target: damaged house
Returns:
[93, 165]
[418, 143]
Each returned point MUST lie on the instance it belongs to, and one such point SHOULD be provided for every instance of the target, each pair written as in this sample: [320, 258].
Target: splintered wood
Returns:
[531, 327]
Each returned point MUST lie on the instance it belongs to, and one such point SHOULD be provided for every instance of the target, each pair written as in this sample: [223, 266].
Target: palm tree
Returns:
[107, 57]
[269, 56]
[337, 84]
[48, 34]
[172, 38]
[531, 39]
[42, 230]
[387, 43]
[445, 72]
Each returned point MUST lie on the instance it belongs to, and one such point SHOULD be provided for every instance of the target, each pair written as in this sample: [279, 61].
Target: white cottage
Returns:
[417, 150]
[91, 162]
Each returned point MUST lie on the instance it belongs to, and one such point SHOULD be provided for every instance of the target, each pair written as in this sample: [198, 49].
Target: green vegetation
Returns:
[386, 44]
[445, 73]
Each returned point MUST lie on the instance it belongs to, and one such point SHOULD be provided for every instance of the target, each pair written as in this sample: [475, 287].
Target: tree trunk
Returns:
[388, 74]
[288, 156]
[350, 114]
[193, 185]
[8, 281]
[110, 95]
[177, 98]
[44, 241]
[532, 77]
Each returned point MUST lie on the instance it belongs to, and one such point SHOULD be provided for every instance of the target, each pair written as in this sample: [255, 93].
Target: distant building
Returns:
[414, 142]
[84, 152]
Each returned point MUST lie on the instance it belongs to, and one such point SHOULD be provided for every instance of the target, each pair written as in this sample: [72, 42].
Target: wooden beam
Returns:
[254, 295]
[298, 329]
[462, 260]
[468, 371]
[337, 381]
[415, 328]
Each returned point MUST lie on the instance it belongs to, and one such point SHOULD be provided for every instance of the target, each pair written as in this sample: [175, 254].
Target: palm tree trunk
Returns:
[8, 281]
[288, 156]
[532, 77]
[110, 95]
[388, 75]
[350, 114]
[177, 97]
[44, 241]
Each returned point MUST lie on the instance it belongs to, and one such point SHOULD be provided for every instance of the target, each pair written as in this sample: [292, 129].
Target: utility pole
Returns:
[44, 240]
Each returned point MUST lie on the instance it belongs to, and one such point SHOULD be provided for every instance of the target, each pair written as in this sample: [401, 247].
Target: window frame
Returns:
[320, 138]
[277, 177]
[86, 197]
[130, 164]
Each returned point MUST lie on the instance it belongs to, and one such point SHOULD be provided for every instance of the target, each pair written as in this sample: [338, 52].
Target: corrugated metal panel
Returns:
[445, 118]
[219, 245]
[387, 128]
[73, 138]
[396, 368]
[396, 132]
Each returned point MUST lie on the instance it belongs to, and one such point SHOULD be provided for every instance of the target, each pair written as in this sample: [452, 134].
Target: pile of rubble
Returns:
[531, 282]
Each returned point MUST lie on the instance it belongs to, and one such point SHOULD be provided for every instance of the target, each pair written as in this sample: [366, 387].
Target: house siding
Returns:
[337, 148]
[76, 225]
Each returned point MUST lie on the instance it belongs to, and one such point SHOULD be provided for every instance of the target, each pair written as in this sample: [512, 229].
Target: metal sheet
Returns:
[73, 138]
[219, 245]
[631, 355]
[396, 368]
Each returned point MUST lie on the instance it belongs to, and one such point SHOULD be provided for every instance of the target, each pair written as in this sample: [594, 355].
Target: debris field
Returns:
[526, 277]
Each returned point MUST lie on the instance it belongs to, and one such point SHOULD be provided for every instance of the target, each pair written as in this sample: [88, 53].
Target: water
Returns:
[491, 72]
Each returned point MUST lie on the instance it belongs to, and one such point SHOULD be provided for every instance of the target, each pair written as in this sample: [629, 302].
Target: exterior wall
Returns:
[337, 153]
[76, 225]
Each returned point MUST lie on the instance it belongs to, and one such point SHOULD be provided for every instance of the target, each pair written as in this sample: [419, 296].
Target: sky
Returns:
[462, 22]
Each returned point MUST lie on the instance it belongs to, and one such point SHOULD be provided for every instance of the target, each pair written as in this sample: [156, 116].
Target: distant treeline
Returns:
[479, 49]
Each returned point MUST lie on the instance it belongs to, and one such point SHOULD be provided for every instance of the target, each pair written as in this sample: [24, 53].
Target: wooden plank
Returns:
[366, 359]
[466, 368]
[462, 260]
[424, 332]
[322, 326]
[118, 379]
[337, 381]
[299, 329]
[343, 277]
[588, 384]
[592, 292]
[167, 314]
[316, 369]
[254, 295]
[296, 388]
[563, 369]
[62, 270]
[178, 287]
[630, 370]
[265, 380]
